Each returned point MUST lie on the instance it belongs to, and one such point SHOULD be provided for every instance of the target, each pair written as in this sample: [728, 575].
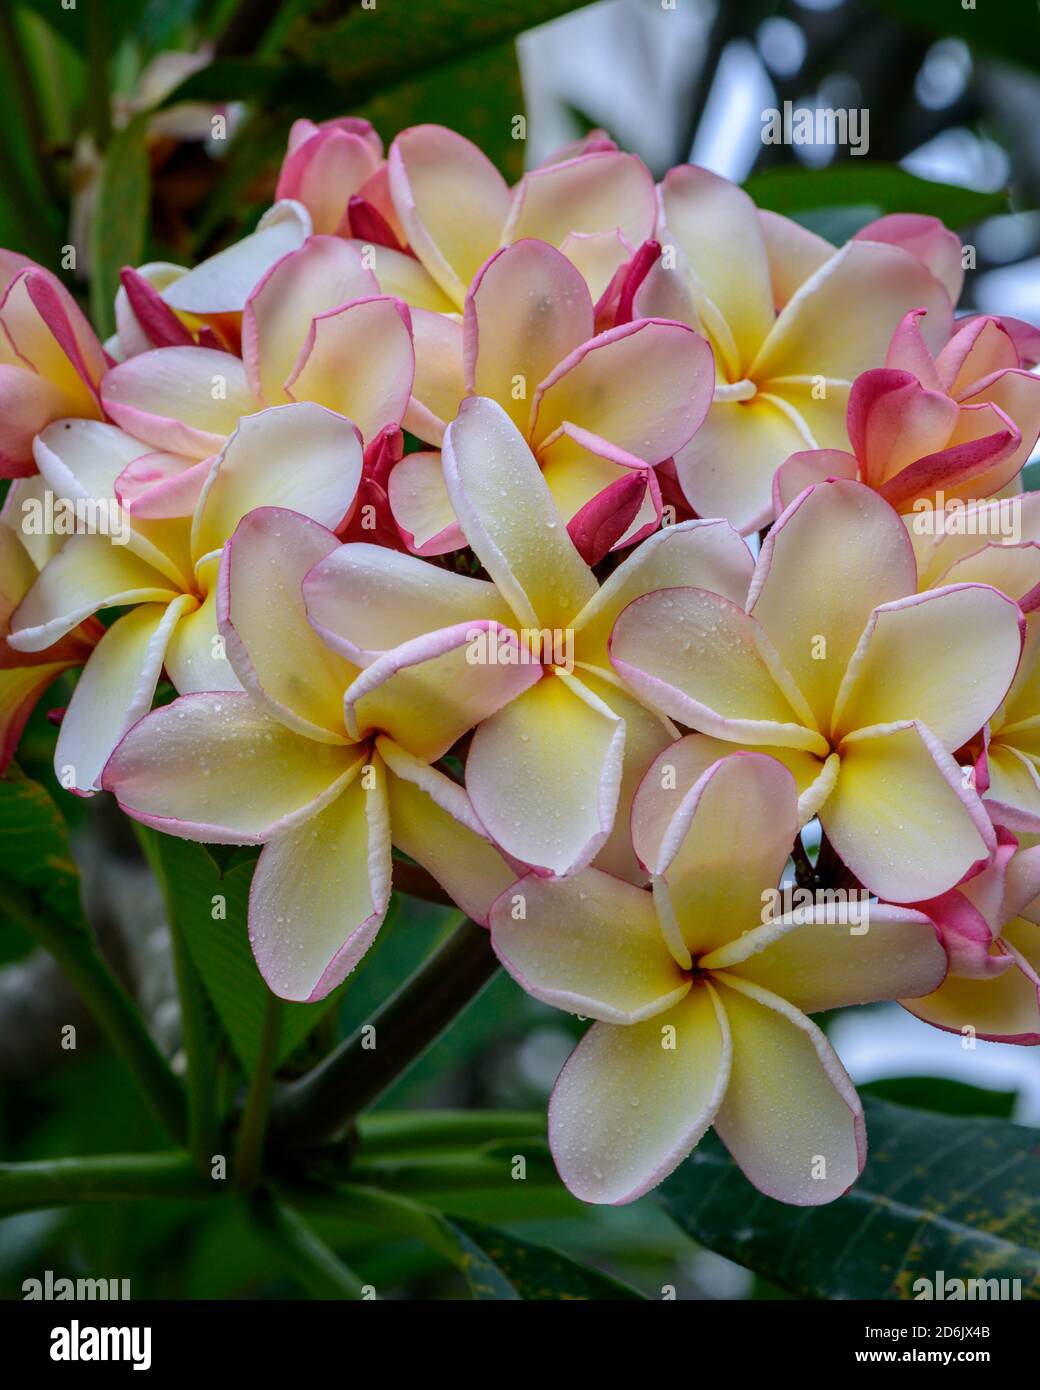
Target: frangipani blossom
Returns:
[50, 360]
[702, 1002]
[863, 687]
[551, 773]
[324, 775]
[960, 425]
[299, 455]
[598, 411]
[792, 323]
[24, 676]
[329, 166]
[456, 209]
[990, 927]
[314, 329]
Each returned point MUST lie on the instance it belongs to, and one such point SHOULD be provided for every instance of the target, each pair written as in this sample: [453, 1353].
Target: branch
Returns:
[303, 1255]
[320, 1105]
[58, 1182]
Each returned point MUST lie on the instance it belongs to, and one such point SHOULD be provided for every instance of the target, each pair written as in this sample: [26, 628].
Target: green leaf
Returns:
[220, 947]
[498, 1266]
[332, 68]
[869, 190]
[938, 1193]
[34, 847]
[119, 226]
[944, 1095]
[991, 28]
[479, 97]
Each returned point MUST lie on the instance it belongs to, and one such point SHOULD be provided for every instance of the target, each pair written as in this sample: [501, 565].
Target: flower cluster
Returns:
[436, 502]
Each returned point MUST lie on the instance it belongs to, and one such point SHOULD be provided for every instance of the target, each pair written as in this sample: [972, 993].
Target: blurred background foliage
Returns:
[153, 129]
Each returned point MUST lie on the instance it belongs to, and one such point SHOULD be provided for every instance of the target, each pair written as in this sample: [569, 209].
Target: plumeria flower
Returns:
[990, 928]
[996, 542]
[552, 772]
[326, 775]
[863, 687]
[24, 676]
[961, 424]
[598, 411]
[314, 329]
[165, 570]
[50, 360]
[456, 209]
[701, 1002]
[335, 166]
[792, 322]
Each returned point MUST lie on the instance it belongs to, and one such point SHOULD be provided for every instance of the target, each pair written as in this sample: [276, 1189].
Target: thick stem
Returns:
[251, 1134]
[321, 1104]
[113, 1008]
[58, 1182]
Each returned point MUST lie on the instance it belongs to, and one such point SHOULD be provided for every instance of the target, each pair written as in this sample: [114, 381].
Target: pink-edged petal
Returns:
[893, 420]
[913, 657]
[323, 172]
[840, 321]
[831, 955]
[507, 514]
[88, 573]
[589, 944]
[698, 658]
[321, 889]
[702, 554]
[401, 275]
[451, 200]
[633, 1100]
[544, 774]
[114, 691]
[276, 654]
[159, 487]
[421, 506]
[603, 192]
[1017, 394]
[359, 361]
[215, 767]
[85, 458]
[669, 378]
[836, 554]
[727, 841]
[183, 399]
[325, 273]
[430, 691]
[1012, 796]
[980, 348]
[979, 459]
[934, 245]
[1003, 1008]
[804, 469]
[222, 284]
[902, 816]
[717, 227]
[434, 823]
[791, 1117]
[439, 384]
[364, 599]
[526, 311]
[251, 471]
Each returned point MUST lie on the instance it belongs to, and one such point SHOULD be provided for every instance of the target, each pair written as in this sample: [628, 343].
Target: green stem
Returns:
[303, 1255]
[320, 1105]
[112, 1007]
[446, 1174]
[253, 1129]
[389, 1133]
[387, 1211]
[58, 1182]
